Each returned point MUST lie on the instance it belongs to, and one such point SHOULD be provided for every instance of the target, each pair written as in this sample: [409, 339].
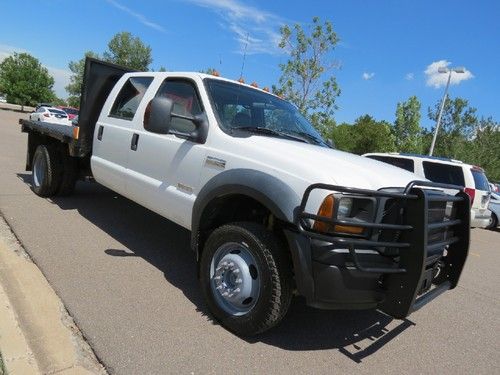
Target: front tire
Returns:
[46, 174]
[246, 278]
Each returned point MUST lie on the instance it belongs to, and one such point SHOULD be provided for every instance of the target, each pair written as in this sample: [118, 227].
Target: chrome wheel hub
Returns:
[235, 279]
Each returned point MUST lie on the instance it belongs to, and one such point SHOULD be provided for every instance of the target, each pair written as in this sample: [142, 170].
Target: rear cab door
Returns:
[114, 129]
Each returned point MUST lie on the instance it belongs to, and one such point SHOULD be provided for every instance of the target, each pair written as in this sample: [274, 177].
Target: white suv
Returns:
[447, 171]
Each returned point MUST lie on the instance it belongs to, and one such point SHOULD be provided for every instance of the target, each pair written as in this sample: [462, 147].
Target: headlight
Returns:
[354, 209]
[345, 208]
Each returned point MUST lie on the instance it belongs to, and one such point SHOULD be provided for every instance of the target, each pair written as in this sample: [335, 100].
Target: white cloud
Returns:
[255, 30]
[437, 80]
[61, 76]
[409, 76]
[6, 51]
[61, 80]
[367, 76]
[141, 17]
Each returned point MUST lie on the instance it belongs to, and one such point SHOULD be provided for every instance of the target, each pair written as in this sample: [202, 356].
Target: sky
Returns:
[388, 50]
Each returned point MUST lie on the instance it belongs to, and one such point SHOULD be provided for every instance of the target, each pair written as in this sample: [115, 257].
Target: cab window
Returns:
[129, 98]
[185, 102]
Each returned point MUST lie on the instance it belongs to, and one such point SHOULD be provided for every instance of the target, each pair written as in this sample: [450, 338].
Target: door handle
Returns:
[99, 132]
[135, 140]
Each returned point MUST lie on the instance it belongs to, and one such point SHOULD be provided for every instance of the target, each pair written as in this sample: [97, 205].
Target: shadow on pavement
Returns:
[356, 334]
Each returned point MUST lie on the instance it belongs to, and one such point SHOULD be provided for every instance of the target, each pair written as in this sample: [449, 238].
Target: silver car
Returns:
[494, 207]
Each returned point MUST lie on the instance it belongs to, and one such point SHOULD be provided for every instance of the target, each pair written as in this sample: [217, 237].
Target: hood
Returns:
[323, 165]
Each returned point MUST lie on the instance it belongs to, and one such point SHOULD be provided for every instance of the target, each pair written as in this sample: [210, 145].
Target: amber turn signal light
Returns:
[326, 211]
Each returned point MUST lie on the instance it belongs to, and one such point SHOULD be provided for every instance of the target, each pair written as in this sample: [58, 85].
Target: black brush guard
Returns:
[407, 286]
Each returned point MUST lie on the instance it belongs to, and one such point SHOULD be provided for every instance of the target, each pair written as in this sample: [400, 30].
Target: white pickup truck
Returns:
[272, 208]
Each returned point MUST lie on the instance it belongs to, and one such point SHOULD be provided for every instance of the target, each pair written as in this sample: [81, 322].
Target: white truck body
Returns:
[271, 207]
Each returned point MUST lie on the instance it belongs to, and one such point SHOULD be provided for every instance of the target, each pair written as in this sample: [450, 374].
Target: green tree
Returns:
[484, 148]
[126, 50]
[59, 101]
[25, 81]
[365, 135]
[306, 78]
[123, 49]
[373, 136]
[74, 88]
[343, 136]
[458, 124]
[407, 130]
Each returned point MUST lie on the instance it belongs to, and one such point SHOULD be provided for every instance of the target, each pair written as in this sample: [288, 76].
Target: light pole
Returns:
[449, 71]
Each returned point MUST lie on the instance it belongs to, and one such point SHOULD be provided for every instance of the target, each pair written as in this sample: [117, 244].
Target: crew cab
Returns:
[273, 210]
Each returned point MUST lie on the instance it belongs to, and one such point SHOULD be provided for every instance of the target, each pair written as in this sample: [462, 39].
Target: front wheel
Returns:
[246, 278]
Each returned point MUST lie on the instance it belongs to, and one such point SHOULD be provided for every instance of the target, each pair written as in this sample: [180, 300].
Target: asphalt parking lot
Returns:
[127, 276]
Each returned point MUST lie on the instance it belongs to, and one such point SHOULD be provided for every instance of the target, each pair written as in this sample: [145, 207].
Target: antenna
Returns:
[244, 56]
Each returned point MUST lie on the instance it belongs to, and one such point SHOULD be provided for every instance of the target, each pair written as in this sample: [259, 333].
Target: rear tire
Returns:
[246, 278]
[493, 221]
[46, 174]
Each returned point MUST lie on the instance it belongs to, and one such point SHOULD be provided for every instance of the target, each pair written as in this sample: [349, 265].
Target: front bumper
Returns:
[405, 262]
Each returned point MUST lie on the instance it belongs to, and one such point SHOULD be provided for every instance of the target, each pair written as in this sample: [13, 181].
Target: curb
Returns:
[37, 335]
[17, 356]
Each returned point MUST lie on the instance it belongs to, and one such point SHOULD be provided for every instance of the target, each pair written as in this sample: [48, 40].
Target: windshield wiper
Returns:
[263, 130]
[308, 136]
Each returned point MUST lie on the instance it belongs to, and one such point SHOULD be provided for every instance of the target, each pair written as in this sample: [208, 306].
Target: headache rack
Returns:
[427, 237]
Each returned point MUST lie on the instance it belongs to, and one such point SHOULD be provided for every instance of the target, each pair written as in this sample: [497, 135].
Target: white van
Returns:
[447, 171]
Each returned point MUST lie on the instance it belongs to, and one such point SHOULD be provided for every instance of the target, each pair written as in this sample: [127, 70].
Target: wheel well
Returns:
[233, 208]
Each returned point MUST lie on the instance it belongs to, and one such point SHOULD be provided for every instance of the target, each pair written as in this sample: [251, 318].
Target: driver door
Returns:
[163, 169]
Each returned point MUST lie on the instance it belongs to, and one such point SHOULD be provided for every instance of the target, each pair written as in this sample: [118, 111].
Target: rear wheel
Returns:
[46, 174]
[493, 221]
[246, 278]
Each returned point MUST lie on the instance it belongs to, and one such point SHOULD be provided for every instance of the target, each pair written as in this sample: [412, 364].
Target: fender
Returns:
[268, 190]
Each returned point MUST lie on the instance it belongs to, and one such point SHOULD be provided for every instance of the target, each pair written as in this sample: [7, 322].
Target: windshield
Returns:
[246, 109]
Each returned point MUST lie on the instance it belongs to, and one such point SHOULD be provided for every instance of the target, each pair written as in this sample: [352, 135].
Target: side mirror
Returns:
[158, 114]
[158, 119]
[200, 132]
